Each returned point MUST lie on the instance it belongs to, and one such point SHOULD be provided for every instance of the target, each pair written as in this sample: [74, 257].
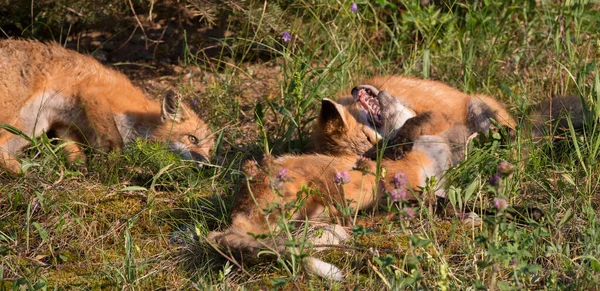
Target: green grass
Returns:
[138, 219]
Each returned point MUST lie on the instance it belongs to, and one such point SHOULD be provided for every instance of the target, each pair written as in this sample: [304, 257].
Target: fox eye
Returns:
[193, 139]
[370, 139]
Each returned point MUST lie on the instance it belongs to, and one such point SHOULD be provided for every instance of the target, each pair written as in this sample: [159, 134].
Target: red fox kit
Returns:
[45, 87]
[337, 181]
[452, 113]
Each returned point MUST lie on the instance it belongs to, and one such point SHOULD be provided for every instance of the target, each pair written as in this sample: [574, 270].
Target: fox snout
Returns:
[199, 159]
[197, 155]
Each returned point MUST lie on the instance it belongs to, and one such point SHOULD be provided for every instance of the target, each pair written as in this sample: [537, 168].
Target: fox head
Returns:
[339, 132]
[183, 130]
[357, 122]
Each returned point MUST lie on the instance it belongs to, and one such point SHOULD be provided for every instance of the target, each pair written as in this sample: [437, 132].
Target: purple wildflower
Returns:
[194, 102]
[286, 36]
[398, 194]
[408, 213]
[500, 203]
[342, 178]
[353, 8]
[282, 174]
[494, 180]
[505, 169]
[277, 184]
[400, 180]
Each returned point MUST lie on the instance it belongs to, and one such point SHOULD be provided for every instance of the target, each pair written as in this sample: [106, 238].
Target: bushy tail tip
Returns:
[314, 266]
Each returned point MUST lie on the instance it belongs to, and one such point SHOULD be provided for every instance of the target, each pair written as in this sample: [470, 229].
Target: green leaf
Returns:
[384, 262]
[277, 282]
[25, 165]
[452, 195]
[470, 190]
[531, 268]
[484, 264]
[418, 242]
[39, 286]
[503, 286]
[566, 218]
[16, 131]
[43, 233]
[595, 265]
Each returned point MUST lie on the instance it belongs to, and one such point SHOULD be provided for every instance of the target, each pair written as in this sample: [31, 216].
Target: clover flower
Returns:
[494, 180]
[398, 194]
[282, 174]
[408, 213]
[277, 184]
[342, 178]
[400, 180]
[505, 169]
[286, 36]
[500, 203]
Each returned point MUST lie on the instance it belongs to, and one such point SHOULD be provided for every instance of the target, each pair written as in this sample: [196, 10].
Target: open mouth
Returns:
[368, 100]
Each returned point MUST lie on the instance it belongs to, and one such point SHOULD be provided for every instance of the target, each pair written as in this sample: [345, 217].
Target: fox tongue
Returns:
[371, 105]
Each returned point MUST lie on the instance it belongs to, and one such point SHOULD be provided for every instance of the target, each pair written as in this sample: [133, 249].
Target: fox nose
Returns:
[368, 88]
[199, 159]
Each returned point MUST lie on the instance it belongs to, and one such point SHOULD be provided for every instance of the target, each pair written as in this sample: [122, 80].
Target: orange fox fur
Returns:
[287, 196]
[450, 110]
[429, 157]
[45, 87]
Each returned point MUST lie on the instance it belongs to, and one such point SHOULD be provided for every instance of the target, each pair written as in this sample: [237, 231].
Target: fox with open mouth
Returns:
[452, 114]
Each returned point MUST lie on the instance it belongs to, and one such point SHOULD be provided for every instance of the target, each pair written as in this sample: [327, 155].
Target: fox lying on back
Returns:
[359, 122]
[454, 114]
[45, 87]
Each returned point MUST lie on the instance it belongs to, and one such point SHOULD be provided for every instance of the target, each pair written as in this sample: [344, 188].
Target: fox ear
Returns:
[332, 116]
[172, 108]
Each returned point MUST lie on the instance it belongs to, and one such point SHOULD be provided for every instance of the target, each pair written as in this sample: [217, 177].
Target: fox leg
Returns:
[481, 108]
[10, 163]
[8, 147]
[402, 140]
[73, 151]
[101, 119]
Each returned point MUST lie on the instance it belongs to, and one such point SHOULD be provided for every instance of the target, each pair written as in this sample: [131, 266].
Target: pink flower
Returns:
[353, 8]
[408, 213]
[400, 180]
[500, 203]
[398, 194]
[277, 185]
[494, 180]
[342, 178]
[505, 169]
[282, 174]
